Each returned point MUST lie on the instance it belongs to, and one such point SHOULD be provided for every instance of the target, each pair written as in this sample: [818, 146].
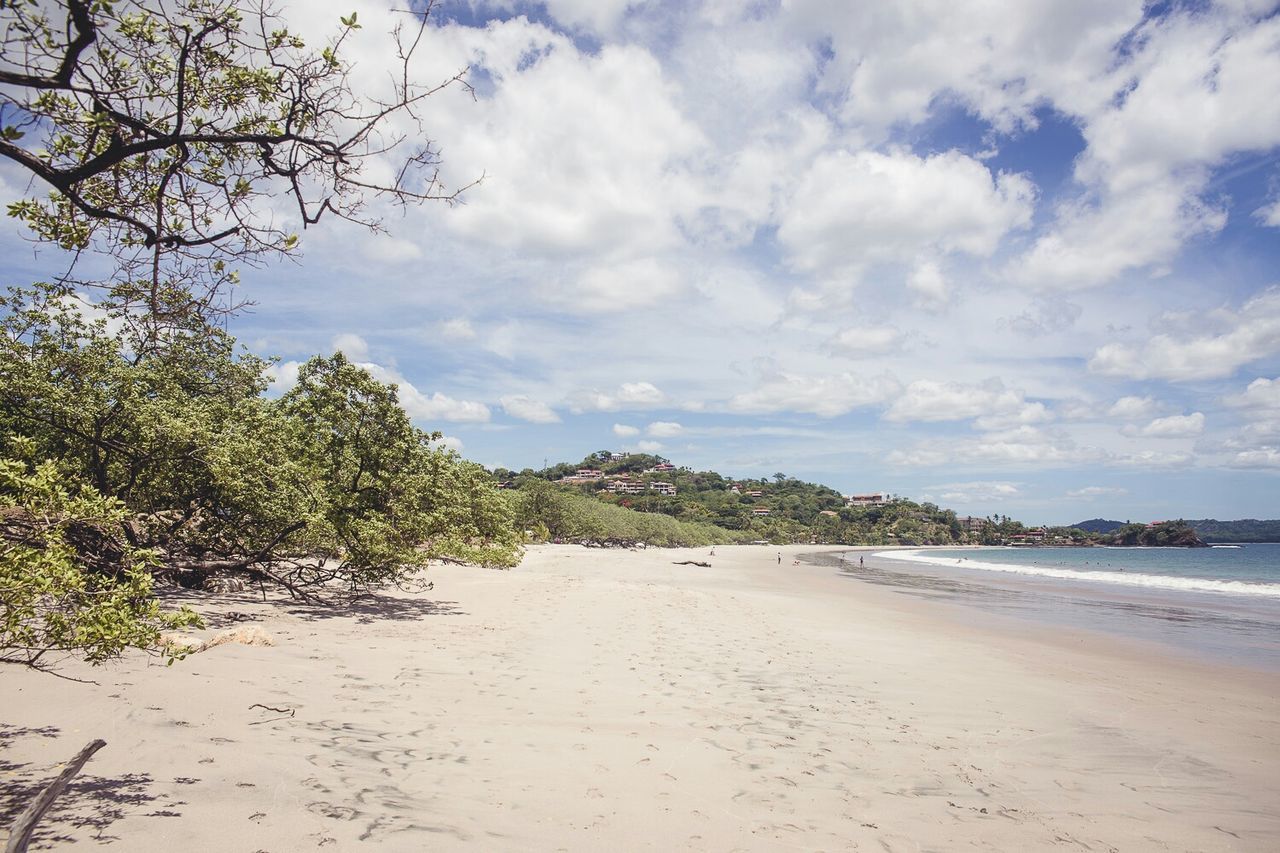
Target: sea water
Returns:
[1213, 604]
[1252, 570]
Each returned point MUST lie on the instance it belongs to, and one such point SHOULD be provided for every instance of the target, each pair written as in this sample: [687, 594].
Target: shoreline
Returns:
[595, 699]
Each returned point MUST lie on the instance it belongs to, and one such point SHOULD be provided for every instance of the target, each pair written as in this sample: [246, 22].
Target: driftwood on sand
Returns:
[25, 825]
[691, 563]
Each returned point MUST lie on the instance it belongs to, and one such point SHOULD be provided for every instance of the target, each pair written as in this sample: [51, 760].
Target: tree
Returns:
[49, 604]
[161, 126]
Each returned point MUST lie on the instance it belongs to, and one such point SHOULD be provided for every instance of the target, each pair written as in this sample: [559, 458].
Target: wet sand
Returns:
[598, 699]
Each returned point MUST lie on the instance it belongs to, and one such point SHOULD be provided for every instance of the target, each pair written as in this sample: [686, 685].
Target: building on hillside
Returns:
[626, 486]
[865, 500]
[755, 493]
[618, 457]
[506, 484]
[736, 489]
[1030, 537]
[663, 488]
[972, 524]
[660, 468]
[588, 474]
[760, 510]
[831, 513]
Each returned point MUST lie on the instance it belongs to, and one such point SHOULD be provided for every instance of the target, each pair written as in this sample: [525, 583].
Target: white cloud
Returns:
[529, 409]
[1265, 457]
[615, 286]
[865, 341]
[826, 396]
[1090, 492]
[856, 208]
[283, 375]
[664, 429]
[629, 395]
[429, 408]
[1133, 408]
[449, 442]
[1021, 447]
[354, 347]
[1151, 459]
[1253, 333]
[932, 400]
[1261, 393]
[1269, 214]
[1174, 426]
[625, 431]
[977, 491]
[892, 63]
[1185, 99]
[457, 329]
[648, 446]
[929, 285]
[579, 150]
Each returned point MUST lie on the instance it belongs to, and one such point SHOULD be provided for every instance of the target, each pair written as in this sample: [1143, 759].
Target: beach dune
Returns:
[610, 700]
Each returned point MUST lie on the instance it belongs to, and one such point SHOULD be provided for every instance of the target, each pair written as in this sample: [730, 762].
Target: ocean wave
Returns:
[1270, 590]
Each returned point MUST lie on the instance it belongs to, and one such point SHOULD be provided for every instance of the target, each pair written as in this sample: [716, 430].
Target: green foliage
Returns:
[53, 600]
[1242, 530]
[158, 128]
[330, 485]
[553, 513]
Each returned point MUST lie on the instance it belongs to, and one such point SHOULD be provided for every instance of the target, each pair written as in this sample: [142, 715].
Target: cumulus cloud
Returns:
[456, 329]
[1264, 457]
[1021, 447]
[629, 395]
[933, 400]
[1174, 426]
[625, 430]
[1133, 408]
[648, 446]
[1151, 459]
[1184, 101]
[283, 375]
[352, 346]
[429, 408]
[529, 409]
[1090, 492]
[1261, 393]
[1269, 215]
[855, 208]
[826, 396]
[864, 341]
[617, 285]
[977, 491]
[929, 285]
[664, 429]
[579, 150]
[1252, 333]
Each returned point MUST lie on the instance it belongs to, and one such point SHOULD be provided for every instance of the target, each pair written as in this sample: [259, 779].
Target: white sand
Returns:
[608, 700]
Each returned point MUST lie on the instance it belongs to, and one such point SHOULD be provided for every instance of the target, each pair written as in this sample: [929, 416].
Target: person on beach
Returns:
[779, 558]
[860, 563]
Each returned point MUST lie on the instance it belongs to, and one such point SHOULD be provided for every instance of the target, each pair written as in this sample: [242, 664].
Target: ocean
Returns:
[1218, 605]
[1232, 570]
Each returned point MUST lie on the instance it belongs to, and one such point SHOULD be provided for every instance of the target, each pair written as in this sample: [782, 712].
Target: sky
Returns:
[1009, 257]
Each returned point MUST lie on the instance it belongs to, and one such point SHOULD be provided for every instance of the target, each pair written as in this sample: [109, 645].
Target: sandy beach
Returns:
[610, 700]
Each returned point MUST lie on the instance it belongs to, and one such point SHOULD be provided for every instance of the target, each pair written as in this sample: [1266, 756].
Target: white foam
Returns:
[1270, 590]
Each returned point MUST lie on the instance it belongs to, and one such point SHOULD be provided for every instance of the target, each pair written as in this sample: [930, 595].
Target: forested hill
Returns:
[1242, 530]
[778, 508]
[1099, 525]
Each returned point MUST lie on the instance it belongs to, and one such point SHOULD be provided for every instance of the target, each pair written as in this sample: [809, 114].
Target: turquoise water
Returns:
[1249, 570]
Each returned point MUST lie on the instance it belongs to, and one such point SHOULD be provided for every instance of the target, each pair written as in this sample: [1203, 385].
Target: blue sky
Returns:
[1013, 258]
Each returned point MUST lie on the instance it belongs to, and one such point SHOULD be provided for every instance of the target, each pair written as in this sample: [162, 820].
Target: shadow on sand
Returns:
[90, 801]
